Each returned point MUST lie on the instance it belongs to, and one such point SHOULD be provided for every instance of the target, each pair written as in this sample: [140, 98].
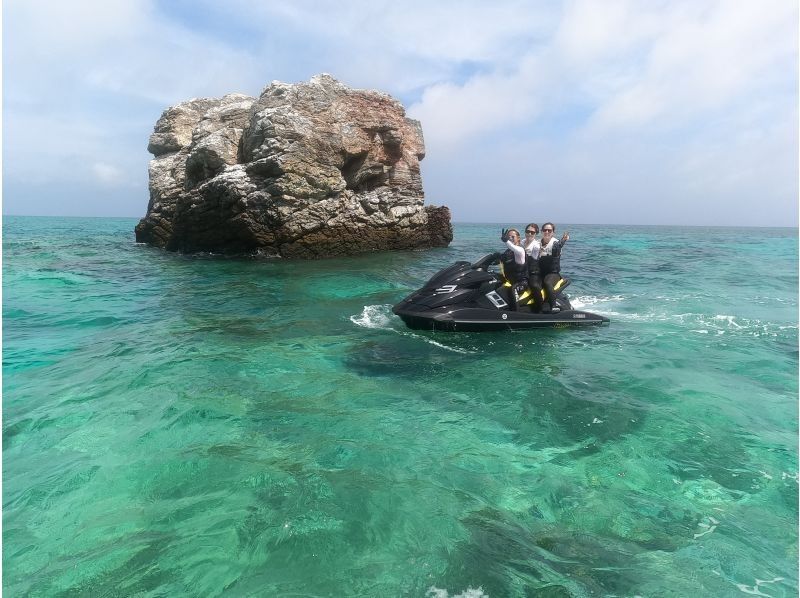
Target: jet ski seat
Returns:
[525, 299]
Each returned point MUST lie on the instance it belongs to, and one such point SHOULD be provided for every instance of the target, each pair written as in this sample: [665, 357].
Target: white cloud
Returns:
[108, 174]
[442, 32]
[453, 114]
[705, 59]
[120, 47]
[590, 34]
[672, 63]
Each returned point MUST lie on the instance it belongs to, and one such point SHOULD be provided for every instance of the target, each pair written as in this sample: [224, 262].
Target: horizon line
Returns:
[498, 223]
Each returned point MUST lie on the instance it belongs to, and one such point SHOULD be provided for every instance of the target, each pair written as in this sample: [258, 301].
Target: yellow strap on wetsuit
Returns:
[557, 286]
[527, 292]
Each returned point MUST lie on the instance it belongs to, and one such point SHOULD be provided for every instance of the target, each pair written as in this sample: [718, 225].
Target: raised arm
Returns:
[519, 252]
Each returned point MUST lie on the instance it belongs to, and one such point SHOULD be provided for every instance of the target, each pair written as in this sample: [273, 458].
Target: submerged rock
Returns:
[313, 169]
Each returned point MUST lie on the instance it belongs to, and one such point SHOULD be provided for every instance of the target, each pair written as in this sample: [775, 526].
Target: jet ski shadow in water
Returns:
[468, 297]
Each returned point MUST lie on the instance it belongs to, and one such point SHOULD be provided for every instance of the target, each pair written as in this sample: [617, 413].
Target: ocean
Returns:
[203, 426]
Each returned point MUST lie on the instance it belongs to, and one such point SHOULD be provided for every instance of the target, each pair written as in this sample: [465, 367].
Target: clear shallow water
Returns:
[188, 426]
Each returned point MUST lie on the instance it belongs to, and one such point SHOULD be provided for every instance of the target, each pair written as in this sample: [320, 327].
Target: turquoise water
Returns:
[191, 426]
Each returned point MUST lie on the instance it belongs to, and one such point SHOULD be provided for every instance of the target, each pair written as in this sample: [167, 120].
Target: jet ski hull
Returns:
[485, 320]
[466, 297]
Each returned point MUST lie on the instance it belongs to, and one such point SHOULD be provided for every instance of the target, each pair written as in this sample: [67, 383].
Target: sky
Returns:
[576, 111]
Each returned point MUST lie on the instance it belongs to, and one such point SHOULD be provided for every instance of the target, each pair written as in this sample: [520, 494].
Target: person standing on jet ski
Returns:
[532, 248]
[550, 264]
[514, 262]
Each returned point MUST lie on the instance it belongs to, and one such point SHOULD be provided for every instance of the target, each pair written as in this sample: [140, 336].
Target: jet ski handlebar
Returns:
[486, 261]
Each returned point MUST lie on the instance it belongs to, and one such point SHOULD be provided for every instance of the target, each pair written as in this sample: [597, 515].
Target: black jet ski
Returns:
[470, 298]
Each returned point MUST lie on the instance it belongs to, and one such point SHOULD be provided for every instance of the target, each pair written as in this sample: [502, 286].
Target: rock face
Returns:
[308, 170]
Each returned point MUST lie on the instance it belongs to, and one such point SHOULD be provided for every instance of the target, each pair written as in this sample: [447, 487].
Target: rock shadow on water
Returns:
[717, 454]
[509, 557]
[381, 358]
[540, 408]
[144, 572]
[576, 415]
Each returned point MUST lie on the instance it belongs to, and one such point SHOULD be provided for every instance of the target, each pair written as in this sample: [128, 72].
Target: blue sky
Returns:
[621, 111]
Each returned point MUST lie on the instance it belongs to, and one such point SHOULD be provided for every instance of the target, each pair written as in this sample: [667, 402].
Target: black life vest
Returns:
[533, 266]
[513, 271]
[550, 258]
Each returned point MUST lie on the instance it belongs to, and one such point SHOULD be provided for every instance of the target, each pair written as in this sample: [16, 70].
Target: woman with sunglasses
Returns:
[532, 248]
[550, 264]
[532, 244]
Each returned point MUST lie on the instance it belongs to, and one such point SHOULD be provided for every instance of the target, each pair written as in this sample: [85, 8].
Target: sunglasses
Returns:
[531, 232]
[547, 230]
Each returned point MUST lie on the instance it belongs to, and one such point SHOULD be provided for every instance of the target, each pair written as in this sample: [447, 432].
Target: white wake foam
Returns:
[697, 323]
[374, 316]
[434, 592]
[586, 300]
[380, 317]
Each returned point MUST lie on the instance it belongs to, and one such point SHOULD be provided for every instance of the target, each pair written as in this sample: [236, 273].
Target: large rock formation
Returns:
[307, 170]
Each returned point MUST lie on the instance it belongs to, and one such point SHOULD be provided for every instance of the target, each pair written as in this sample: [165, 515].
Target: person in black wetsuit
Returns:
[532, 248]
[514, 261]
[550, 264]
